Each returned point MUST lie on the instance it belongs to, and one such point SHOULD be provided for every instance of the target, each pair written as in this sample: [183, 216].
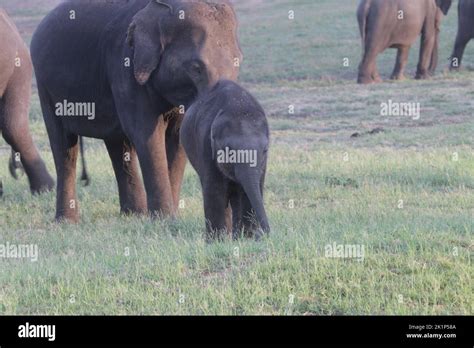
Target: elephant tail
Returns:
[14, 165]
[249, 178]
[85, 179]
[362, 17]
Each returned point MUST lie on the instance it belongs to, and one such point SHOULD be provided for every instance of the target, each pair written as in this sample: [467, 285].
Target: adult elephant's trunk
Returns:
[249, 178]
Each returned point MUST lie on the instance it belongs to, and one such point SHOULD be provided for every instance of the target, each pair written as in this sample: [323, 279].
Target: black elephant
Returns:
[226, 137]
[465, 31]
[137, 65]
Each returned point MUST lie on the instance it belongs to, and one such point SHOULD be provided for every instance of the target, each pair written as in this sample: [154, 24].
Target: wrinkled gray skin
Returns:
[229, 117]
[465, 31]
[15, 92]
[381, 28]
[177, 49]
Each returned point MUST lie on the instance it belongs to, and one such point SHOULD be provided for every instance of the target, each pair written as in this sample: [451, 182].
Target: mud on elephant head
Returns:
[190, 45]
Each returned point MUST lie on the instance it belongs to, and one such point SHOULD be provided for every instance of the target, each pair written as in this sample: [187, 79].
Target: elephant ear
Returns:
[444, 5]
[146, 38]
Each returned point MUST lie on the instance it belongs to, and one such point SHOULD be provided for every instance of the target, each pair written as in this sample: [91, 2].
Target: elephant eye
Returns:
[195, 67]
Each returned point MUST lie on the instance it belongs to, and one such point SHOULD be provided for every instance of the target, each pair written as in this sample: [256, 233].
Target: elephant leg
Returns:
[131, 191]
[458, 53]
[65, 151]
[216, 203]
[368, 72]
[14, 124]
[151, 150]
[434, 55]
[428, 41]
[65, 148]
[402, 59]
[176, 156]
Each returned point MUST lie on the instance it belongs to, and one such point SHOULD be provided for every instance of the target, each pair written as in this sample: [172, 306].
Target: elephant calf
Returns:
[15, 87]
[397, 24]
[226, 137]
[465, 31]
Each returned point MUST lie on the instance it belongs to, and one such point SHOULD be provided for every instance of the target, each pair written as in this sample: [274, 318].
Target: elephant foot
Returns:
[398, 77]
[133, 211]
[161, 214]
[369, 80]
[423, 76]
[217, 236]
[42, 185]
[63, 219]
[377, 79]
[364, 80]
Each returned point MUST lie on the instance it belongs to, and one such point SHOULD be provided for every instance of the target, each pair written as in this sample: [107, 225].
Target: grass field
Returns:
[405, 194]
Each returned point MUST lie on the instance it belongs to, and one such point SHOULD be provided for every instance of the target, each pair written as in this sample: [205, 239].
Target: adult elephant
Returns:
[465, 31]
[15, 91]
[397, 24]
[138, 64]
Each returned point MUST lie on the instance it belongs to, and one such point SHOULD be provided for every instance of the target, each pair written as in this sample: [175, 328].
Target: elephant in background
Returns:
[15, 91]
[136, 61]
[397, 24]
[465, 31]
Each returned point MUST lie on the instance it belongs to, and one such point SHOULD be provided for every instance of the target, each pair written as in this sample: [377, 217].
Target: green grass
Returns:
[405, 194]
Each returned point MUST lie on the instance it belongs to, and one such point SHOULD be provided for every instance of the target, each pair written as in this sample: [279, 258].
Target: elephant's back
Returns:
[68, 47]
[68, 25]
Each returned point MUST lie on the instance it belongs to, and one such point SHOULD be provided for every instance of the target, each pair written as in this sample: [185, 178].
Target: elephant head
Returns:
[444, 5]
[184, 47]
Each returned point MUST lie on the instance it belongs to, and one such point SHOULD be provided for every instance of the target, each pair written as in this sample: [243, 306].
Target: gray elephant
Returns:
[15, 91]
[397, 24]
[136, 64]
[465, 31]
[226, 137]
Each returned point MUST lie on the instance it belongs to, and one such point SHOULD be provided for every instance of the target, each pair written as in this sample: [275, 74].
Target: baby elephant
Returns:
[226, 137]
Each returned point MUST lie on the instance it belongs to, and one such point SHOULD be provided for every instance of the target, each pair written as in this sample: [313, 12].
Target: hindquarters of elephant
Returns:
[362, 17]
